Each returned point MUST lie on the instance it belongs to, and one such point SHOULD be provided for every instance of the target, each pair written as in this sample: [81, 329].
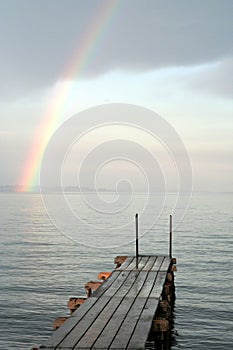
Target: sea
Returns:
[46, 257]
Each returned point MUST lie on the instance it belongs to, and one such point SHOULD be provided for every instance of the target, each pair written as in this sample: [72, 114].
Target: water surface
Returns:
[41, 268]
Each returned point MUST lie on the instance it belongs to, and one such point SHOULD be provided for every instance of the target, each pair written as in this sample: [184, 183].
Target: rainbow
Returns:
[51, 119]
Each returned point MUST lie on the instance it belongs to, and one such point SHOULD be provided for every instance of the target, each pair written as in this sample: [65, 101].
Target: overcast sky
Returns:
[173, 57]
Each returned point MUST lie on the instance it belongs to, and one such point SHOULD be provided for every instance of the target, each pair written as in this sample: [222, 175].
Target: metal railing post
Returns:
[170, 238]
[136, 222]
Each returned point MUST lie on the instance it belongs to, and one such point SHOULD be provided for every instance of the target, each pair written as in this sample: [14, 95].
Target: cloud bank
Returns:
[39, 38]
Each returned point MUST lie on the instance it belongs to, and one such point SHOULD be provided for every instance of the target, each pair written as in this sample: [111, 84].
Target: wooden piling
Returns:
[75, 302]
[91, 286]
[103, 275]
[161, 331]
[119, 260]
[59, 321]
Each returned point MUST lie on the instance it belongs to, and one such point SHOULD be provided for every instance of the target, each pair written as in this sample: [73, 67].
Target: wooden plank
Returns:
[138, 284]
[135, 338]
[99, 324]
[106, 284]
[143, 326]
[76, 334]
[158, 285]
[148, 285]
[150, 263]
[116, 279]
[130, 266]
[117, 289]
[114, 287]
[126, 329]
[72, 321]
[129, 279]
[126, 263]
[109, 332]
[166, 263]
[158, 263]
[142, 262]
[82, 326]
[70, 324]
[112, 278]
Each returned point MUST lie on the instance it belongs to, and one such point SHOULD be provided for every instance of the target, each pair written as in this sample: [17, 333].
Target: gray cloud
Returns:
[38, 38]
[216, 79]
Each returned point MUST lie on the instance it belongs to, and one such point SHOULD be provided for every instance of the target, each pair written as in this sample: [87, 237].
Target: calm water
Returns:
[41, 268]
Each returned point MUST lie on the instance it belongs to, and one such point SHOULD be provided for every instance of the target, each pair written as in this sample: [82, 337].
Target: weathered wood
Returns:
[173, 261]
[169, 277]
[107, 316]
[119, 260]
[158, 263]
[103, 275]
[83, 325]
[119, 313]
[173, 268]
[148, 285]
[117, 290]
[70, 324]
[109, 332]
[160, 325]
[126, 329]
[90, 286]
[166, 264]
[150, 263]
[112, 284]
[143, 326]
[59, 321]
[100, 323]
[129, 266]
[164, 307]
[158, 285]
[128, 279]
[74, 303]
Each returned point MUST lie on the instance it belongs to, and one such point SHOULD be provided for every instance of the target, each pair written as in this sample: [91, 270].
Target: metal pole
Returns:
[170, 240]
[136, 221]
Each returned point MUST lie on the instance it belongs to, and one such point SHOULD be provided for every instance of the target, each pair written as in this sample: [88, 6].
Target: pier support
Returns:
[75, 302]
[119, 260]
[59, 321]
[91, 286]
[103, 275]
[161, 332]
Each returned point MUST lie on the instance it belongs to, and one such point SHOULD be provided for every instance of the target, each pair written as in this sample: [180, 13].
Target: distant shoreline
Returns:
[16, 189]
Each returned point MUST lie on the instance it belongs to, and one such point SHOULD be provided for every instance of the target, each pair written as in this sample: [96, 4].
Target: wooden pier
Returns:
[132, 304]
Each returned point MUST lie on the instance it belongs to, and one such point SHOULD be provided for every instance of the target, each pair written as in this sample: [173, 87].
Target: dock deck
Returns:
[120, 313]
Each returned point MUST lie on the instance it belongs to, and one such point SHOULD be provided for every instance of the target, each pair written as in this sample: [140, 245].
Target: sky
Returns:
[175, 58]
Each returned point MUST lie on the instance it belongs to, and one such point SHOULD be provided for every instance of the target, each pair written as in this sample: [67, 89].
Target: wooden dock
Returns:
[129, 305]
